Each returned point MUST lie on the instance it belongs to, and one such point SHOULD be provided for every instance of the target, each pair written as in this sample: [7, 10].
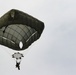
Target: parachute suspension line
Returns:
[7, 52]
[8, 40]
[25, 52]
[2, 41]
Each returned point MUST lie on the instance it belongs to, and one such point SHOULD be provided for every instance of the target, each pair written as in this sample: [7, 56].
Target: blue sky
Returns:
[55, 52]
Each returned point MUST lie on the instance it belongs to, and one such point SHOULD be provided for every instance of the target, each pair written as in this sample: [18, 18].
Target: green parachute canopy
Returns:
[17, 26]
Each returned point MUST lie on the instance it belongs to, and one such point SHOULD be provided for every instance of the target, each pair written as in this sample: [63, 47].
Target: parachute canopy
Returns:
[19, 28]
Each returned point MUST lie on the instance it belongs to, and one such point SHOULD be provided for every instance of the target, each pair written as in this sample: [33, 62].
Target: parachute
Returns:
[18, 31]
[18, 27]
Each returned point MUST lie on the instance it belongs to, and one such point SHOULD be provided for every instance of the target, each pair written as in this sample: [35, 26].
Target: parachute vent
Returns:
[20, 45]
